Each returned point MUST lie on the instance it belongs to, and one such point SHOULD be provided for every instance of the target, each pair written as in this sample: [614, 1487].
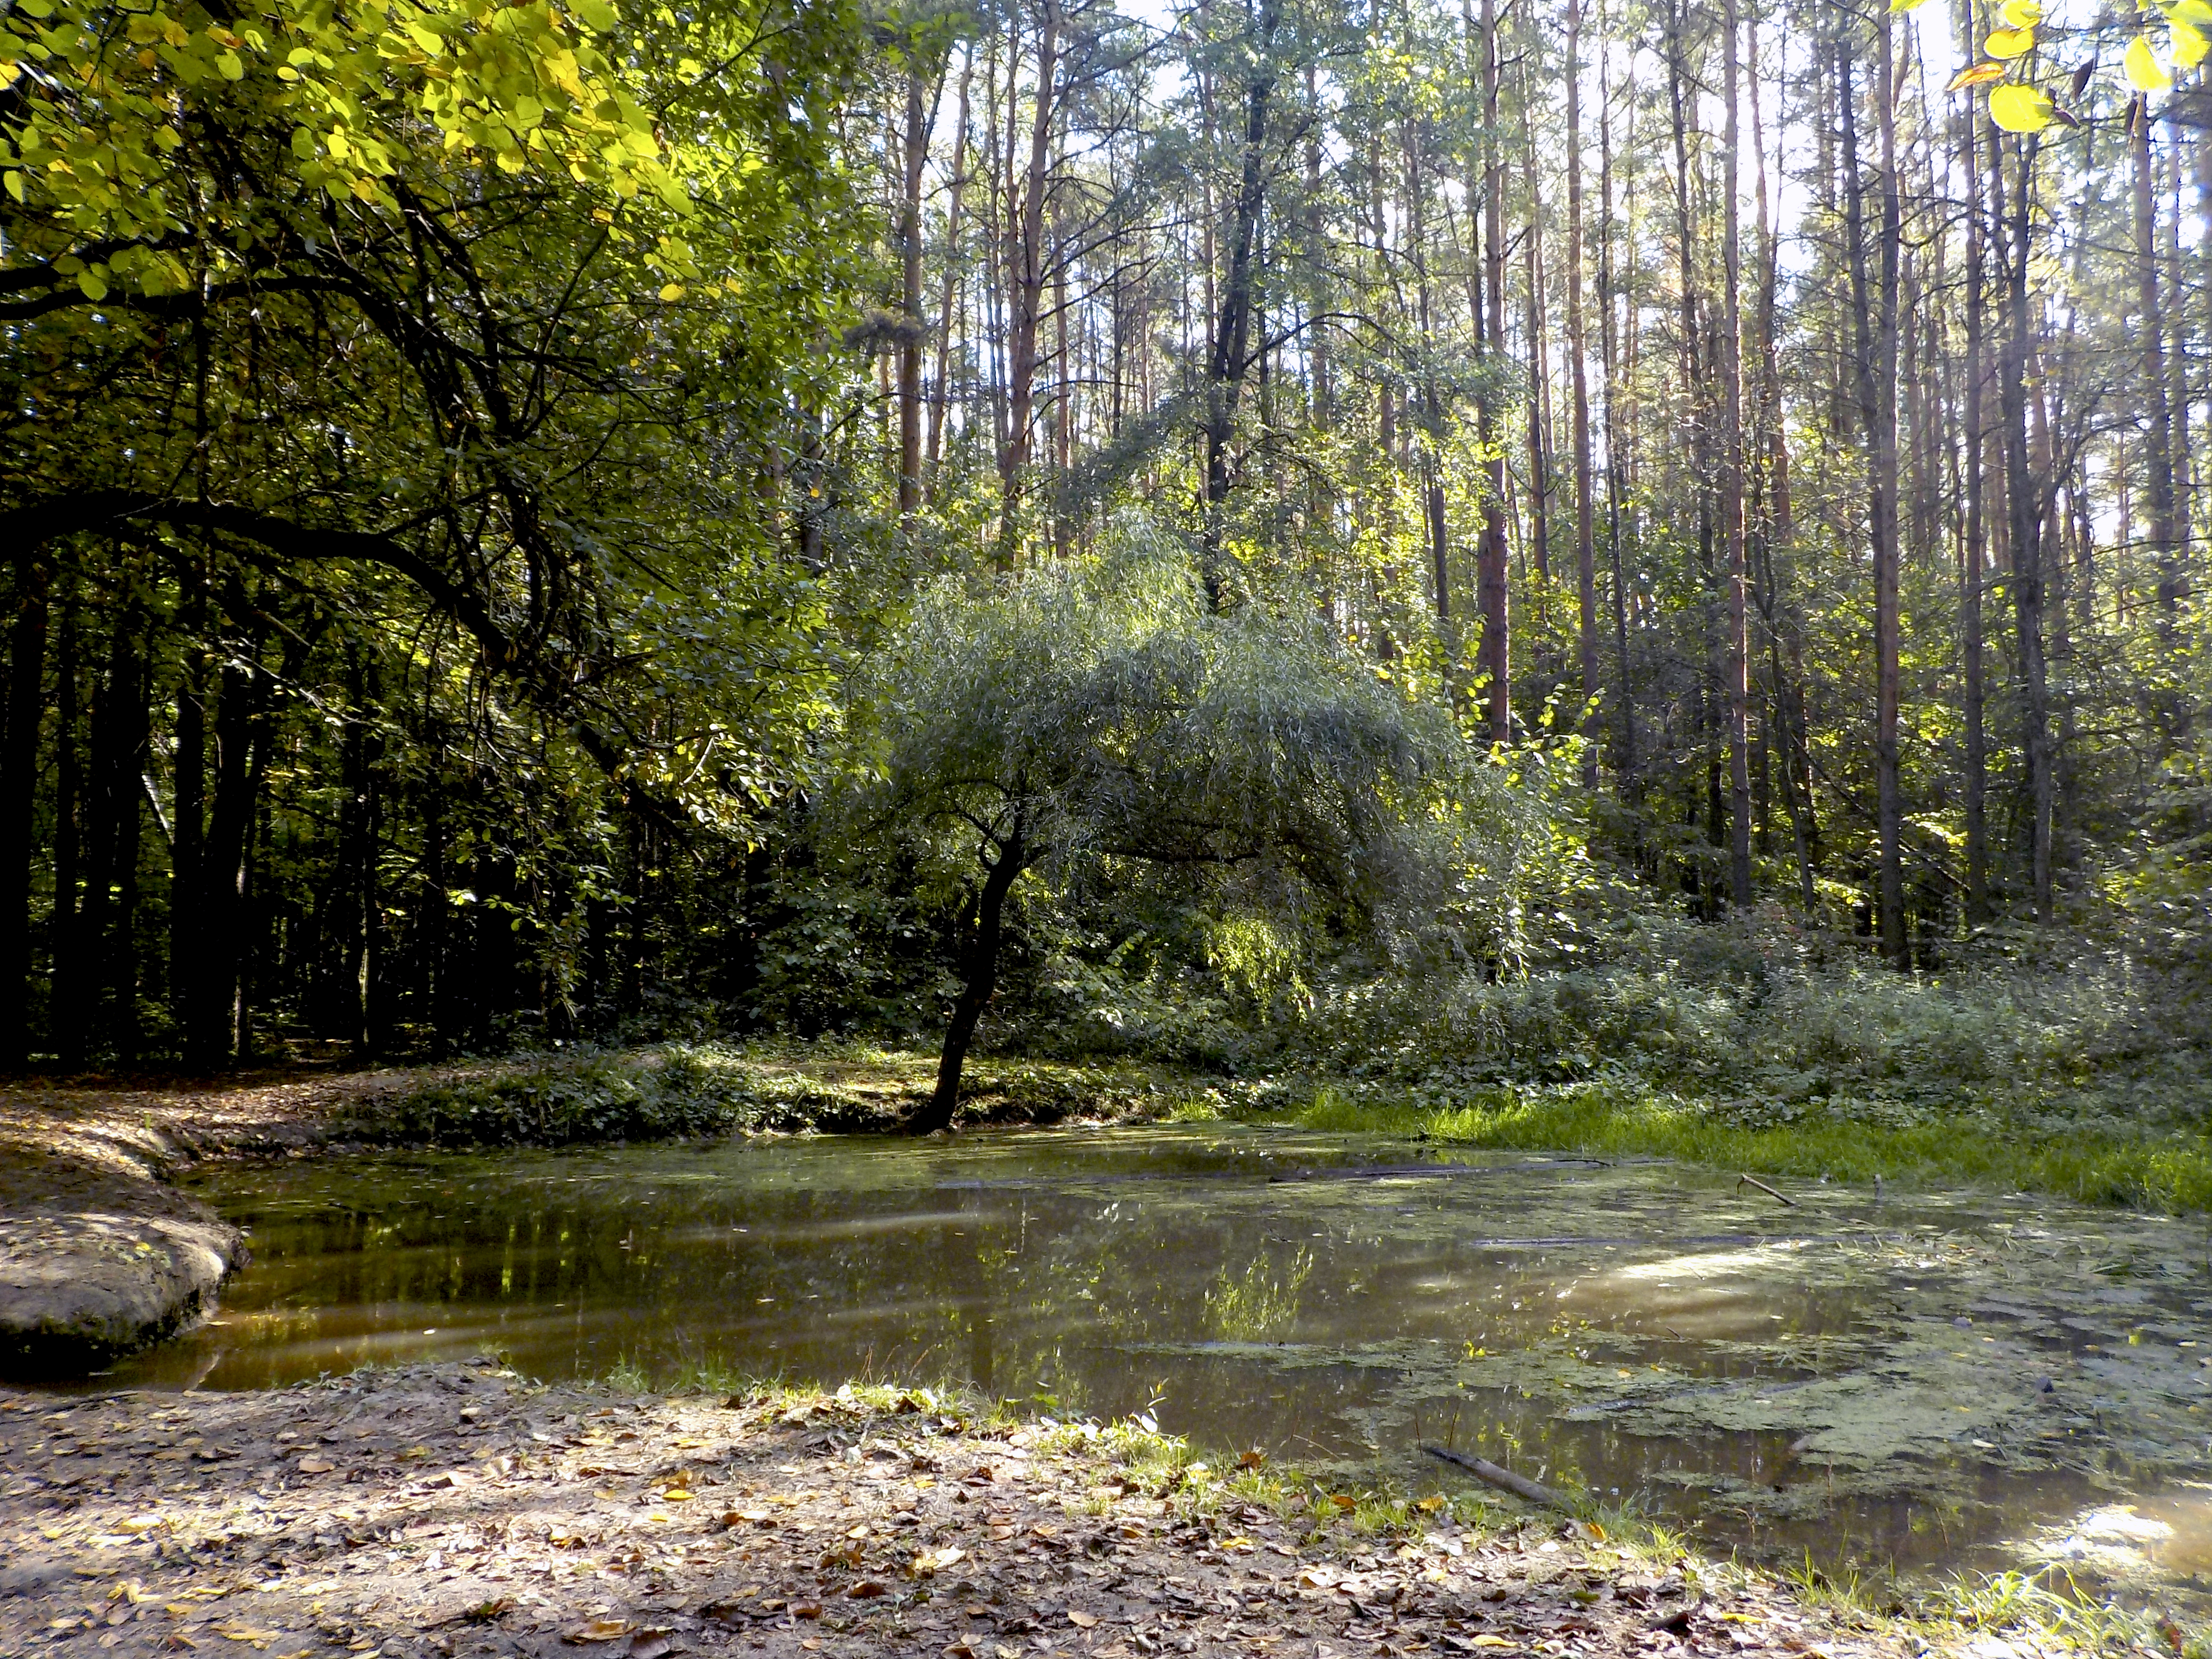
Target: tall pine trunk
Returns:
[1495, 658]
[1974, 555]
[1738, 638]
[1577, 350]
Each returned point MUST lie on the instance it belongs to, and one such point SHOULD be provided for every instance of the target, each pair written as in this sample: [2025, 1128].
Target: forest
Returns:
[1233, 599]
[1547, 535]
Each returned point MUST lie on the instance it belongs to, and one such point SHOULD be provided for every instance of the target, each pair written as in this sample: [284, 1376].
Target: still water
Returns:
[1906, 1383]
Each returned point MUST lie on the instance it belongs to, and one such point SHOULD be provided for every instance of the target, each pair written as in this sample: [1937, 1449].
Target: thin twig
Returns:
[1747, 1181]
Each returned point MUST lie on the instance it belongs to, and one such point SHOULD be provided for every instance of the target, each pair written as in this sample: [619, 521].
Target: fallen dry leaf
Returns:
[806, 1609]
[1081, 1620]
[315, 1466]
[867, 1590]
[598, 1630]
[931, 1561]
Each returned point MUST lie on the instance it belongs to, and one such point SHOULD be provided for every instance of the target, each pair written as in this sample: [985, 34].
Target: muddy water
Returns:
[1898, 1382]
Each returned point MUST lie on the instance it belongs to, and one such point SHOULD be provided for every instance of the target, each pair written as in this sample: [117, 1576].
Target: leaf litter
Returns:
[526, 1553]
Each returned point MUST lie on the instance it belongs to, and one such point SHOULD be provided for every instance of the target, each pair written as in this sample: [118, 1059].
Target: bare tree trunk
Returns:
[1027, 286]
[1976, 551]
[19, 792]
[1232, 331]
[1739, 641]
[1887, 617]
[941, 391]
[65, 991]
[1874, 310]
[188, 832]
[2024, 508]
[1585, 536]
[1619, 425]
[1539, 368]
[1496, 660]
[910, 341]
[2158, 438]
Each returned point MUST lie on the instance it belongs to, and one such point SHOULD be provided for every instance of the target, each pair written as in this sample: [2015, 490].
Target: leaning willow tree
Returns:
[1094, 712]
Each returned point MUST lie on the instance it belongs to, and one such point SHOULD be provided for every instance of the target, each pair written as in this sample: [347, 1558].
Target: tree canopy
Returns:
[482, 480]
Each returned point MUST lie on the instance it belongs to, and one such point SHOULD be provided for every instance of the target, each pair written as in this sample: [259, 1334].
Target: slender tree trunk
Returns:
[1577, 350]
[242, 736]
[981, 981]
[1540, 375]
[1739, 641]
[188, 836]
[66, 988]
[2024, 511]
[1620, 424]
[1887, 602]
[1495, 658]
[940, 390]
[1232, 331]
[1875, 309]
[2158, 436]
[1976, 551]
[19, 779]
[1028, 283]
[911, 342]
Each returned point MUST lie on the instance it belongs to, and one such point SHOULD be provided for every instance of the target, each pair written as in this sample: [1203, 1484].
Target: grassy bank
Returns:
[2089, 1158]
[671, 1091]
[2069, 1146]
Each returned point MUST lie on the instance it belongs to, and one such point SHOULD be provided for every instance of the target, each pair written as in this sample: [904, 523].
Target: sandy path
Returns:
[460, 1510]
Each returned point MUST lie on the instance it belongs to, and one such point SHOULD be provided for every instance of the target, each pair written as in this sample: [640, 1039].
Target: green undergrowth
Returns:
[2090, 1158]
[675, 1091]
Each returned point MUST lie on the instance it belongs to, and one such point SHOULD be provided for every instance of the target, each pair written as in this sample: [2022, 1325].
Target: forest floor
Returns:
[460, 1510]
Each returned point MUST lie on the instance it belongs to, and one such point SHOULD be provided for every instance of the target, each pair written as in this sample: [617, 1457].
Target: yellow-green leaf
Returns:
[92, 283]
[2010, 43]
[2021, 14]
[16, 184]
[1978, 74]
[673, 291]
[2192, 11]
[1904, 5]
[2019, 108]
[2145, 72]
[598, 15]
[2187, 43]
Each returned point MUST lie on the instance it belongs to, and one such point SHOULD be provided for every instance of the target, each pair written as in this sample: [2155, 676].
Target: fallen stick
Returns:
[1483, 1469]
[1746, 1181]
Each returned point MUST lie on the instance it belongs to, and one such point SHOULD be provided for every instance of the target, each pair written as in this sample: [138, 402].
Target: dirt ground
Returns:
[460, 1510]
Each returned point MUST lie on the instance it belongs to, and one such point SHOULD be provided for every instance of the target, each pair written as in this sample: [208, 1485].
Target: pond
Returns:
[1885, 1382]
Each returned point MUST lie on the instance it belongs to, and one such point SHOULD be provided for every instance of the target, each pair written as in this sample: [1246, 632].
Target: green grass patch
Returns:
[2093, 1161]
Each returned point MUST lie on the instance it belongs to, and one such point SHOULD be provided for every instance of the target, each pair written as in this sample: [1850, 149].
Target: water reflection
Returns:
[1908, 1383]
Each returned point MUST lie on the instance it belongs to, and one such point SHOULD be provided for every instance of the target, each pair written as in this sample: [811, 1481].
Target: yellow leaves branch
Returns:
[520, 85]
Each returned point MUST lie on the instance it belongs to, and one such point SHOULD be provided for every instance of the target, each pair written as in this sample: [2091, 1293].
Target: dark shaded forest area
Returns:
[501, 501]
